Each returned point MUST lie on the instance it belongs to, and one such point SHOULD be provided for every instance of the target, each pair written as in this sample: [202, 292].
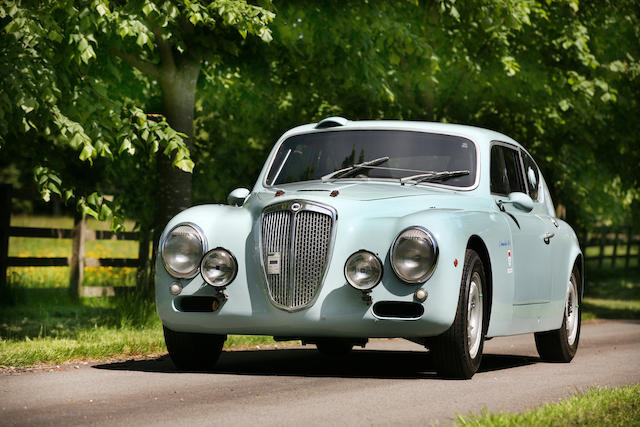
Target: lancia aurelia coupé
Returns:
[441, 234]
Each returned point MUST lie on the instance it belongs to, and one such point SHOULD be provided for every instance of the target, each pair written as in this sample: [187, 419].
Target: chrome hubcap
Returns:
[474, 315]
[571, 311]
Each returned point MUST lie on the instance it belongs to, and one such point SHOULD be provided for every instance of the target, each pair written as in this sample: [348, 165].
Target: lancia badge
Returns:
[296, 207]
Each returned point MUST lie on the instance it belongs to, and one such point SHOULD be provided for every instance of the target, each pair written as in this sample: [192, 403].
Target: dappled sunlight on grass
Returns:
[598, 407]
[612, 294]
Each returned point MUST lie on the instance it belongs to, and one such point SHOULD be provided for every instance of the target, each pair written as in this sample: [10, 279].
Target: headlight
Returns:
[182, 250]
[363, 270]
[414, 255]
[218, 267]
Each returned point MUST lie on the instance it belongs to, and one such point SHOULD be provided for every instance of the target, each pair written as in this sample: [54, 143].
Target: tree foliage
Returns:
[92, 82]
[65, 89]
[559, 76]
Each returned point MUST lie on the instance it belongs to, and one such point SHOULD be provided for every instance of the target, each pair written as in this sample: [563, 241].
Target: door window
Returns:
[506, 171]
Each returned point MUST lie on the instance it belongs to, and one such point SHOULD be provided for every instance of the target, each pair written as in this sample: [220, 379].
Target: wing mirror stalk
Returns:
[238, 196]
[519, 200]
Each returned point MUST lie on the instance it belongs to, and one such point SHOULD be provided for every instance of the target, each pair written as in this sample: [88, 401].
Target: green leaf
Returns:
[105, 212]
[87, 153]
[184, 165]
[93, 199]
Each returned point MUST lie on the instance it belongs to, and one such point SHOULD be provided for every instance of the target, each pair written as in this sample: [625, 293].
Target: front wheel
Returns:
[457, 353]
[561, 344]
[193, 352]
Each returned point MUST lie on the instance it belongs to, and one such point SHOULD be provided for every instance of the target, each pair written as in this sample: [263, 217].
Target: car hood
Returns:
[369, 199]
[365, 190]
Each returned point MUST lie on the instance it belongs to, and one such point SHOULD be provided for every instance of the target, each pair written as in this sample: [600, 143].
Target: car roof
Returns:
[480, 135]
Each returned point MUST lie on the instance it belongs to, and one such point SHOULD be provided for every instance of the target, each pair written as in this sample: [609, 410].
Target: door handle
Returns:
[547, 237]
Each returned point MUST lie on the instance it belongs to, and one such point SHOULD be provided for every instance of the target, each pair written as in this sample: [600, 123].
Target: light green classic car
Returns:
[441, 234]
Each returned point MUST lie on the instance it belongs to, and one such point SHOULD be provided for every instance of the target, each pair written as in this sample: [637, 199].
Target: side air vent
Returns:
[331, 122]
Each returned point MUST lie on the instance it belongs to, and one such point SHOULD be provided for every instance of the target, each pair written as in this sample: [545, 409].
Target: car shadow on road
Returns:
[309, 363]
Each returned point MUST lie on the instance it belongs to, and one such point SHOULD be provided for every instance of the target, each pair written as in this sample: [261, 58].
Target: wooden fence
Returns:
[611, 247]
[76, 261]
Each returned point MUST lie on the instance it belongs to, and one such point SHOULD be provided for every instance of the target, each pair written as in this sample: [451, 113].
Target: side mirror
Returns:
[532, 178]
[520, 201]
[238, 196]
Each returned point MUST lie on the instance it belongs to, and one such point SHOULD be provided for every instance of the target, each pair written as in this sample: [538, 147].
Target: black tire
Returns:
[561, 345]
[193, 352]
[455, 354]
[334, 347]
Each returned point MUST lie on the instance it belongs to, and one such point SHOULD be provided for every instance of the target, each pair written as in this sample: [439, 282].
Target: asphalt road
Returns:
[390, 382]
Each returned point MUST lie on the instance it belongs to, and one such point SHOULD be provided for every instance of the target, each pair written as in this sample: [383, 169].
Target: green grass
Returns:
[612, 294]
[598, 407]
[46, 326]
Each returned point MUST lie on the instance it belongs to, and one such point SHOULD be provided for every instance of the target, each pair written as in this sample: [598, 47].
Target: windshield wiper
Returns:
[342, 173]
[434, 176]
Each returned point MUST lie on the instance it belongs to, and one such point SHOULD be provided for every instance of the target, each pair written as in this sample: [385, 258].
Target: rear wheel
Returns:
[561, 344]
[457, 353]
[193, 352]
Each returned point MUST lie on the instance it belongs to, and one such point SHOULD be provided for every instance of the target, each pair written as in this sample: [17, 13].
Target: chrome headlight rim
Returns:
[381, 265]
[204, 245]
[235, 269]
[436, 252]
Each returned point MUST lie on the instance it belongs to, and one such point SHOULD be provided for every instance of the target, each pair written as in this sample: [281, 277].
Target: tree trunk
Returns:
[173, 185]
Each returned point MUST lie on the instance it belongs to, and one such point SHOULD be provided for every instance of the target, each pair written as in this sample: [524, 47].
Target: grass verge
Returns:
[597, 407]
[612, 294]
[46, 326]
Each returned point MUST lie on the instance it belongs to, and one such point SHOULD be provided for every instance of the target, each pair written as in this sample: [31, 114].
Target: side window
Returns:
[506, 173]
[532, 175]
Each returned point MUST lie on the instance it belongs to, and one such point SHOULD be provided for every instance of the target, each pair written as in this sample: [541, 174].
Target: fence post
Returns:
[5, 223]
[142, 275]
[628, 255]
[76, 265]
[615, 250]
[603, 236]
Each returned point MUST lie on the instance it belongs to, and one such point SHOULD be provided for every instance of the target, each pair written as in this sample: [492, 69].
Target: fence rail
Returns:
[76, 261]
[611, 247]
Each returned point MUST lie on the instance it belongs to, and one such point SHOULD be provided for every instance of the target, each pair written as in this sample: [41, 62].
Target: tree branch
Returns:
[166, 53]
[146, 67]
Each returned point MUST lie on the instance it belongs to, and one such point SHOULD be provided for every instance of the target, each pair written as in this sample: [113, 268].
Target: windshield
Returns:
[376, 154]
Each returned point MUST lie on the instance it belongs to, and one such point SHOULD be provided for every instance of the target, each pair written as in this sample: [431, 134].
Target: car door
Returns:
[543, 206]
[528, 256]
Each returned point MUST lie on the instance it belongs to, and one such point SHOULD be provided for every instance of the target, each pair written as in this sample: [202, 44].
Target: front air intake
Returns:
[398, 310]
[295, 243]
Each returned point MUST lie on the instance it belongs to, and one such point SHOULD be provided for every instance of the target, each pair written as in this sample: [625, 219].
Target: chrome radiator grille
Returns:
[296, 237]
